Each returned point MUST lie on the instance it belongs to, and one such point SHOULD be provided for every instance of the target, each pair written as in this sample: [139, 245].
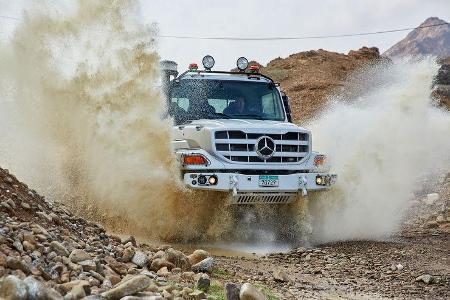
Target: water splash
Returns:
[380, 142]
[81, 120]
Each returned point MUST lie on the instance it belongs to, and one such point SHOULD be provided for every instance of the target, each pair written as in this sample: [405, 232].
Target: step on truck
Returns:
[233, 133]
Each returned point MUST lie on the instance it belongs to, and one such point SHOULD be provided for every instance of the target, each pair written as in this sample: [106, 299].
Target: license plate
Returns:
[268, 180]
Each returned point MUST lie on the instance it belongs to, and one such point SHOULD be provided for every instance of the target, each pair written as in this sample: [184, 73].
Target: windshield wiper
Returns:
[225, 116]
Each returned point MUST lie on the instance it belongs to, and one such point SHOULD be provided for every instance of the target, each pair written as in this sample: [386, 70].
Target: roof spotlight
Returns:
[208, 62]
[242, 63]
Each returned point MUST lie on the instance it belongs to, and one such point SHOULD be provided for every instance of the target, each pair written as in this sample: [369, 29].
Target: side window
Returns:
[268, 104]
[181, 102]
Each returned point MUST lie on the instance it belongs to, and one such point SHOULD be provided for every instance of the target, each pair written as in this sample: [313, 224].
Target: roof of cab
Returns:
[224, 76]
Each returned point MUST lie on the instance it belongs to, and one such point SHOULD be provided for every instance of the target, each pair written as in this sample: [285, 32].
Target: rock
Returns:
[426, 278]
[159, 263]
[140, 259]
[67, 287]
[131, 240]
[188, 276]
[399, 267]
[197, 256]
[203, 266]
[133, 285]
[197, 295]
[17, 264]
[18, 246]
[88, 265]
[300, 250]
[79, 291]
[280, 275]
[11, 203]
[128, 254]
[25, 205]
[59, 248]
[36, 289]
[203, 282]
[249, 292]
[177, 258]
[79, 255]
[29, 247]
[163, 272]
[118, 267]
[12, 288]
[232, 291]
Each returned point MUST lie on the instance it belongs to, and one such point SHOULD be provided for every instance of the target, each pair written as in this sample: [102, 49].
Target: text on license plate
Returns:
[268, 180]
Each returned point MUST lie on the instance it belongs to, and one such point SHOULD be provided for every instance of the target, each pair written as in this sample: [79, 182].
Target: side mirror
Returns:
[287, 107]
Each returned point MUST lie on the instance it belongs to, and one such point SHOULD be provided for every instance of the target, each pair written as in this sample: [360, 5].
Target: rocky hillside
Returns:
[424, 41]
[309, 77]
[46, 252]
[442, 85]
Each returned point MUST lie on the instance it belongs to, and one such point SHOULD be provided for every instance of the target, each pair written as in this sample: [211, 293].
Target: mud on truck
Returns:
[233, 133]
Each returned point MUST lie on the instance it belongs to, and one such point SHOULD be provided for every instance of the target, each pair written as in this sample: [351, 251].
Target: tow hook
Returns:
[234, 184]
[302, 184]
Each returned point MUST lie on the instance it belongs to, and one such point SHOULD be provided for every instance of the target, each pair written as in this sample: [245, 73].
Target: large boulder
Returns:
[204, 266]
[131, 286]
[177, 258]
[197, 256]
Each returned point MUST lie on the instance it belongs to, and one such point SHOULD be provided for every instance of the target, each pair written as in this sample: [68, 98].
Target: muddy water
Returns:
[82, 120]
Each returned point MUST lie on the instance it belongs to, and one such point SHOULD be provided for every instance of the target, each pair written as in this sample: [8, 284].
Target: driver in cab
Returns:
[237, 107]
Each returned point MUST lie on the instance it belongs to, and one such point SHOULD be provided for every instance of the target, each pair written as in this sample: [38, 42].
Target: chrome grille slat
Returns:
[239, 147]
[253, 141]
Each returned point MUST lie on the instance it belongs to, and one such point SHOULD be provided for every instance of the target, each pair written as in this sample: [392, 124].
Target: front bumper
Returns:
[240, 183]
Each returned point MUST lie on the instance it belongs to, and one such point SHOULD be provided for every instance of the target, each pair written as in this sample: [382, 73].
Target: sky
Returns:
[269, 18]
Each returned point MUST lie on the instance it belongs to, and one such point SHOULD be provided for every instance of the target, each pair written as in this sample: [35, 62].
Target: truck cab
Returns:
[233, 133]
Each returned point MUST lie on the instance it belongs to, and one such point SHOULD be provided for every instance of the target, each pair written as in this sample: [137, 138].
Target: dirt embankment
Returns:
[309, 77]
[46, 252]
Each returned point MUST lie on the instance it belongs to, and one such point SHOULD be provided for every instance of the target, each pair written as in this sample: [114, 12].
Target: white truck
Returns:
[233, 133]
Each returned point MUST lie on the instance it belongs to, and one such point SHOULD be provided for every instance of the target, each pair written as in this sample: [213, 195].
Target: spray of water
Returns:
[380, 143]
[81, 120]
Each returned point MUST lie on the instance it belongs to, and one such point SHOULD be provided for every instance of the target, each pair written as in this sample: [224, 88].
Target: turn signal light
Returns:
[319, 160]
[194, 159]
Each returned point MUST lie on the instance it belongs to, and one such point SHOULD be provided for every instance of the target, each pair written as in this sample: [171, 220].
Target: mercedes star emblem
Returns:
[265, 147]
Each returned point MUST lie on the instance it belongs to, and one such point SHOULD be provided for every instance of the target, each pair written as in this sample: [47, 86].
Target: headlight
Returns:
[208, 62]
[242, 63]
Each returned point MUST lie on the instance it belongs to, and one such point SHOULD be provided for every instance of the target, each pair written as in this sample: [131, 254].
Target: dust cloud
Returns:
[380, 143]
[82, 120]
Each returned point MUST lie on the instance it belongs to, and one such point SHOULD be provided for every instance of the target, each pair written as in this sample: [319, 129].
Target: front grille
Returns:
[239, 146]
[263, 198]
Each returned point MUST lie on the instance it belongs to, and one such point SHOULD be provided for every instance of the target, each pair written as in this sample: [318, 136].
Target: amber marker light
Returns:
[194, 159]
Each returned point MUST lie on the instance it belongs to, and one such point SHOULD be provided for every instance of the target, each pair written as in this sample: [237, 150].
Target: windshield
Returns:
[220, 99]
